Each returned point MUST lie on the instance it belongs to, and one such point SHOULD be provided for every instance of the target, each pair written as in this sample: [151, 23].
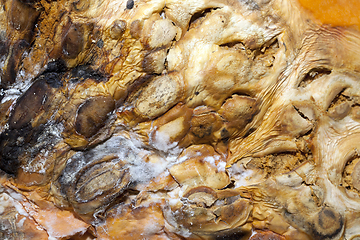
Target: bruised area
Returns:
[92, 114]
[19, 28]
[31, 116]
[92, 183]
[38, 98]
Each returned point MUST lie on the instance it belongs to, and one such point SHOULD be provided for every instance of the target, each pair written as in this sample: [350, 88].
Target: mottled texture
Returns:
[154, 119]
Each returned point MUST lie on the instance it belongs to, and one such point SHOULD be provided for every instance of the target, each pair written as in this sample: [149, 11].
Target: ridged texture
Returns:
[154, 119]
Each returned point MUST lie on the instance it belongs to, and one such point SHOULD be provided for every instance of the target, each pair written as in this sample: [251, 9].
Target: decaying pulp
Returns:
[169, 119]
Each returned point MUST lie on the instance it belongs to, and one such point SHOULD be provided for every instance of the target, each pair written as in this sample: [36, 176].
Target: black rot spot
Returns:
[130, 4]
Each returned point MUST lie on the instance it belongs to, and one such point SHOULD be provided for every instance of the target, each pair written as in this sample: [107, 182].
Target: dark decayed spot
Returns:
[94, 178]
[9, 73]
[35, 99]
[202, 125]
[84, 72]
[13, 143]
[81, 5]
[73, 41]
[136, 28]
[17, 146]
[130, 4]
[248, 132]
[30, 2]
[225, 135]
[100, 43]
[328, 224]
[21, 138]
[22, 16]
[92, 115]
[56, 66]
[4, 47]
[2, 94]
[231, 235]
[9, 151]
[53, 80]
[118, 28]
[201, 130]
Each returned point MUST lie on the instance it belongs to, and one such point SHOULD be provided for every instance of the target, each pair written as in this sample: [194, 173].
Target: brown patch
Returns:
[104, 176]
[266, 235]
[22, 16]
[118, 28]
[327, 224]
[81, 5]
[92, 115]
[29, 105]
[8, 75]
[73, 41]
[202, 126]
[136, 28]
[280, 163]
[5, 111]
[154, 61]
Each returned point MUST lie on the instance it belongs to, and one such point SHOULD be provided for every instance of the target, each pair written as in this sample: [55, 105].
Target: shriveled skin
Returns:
[179, 120]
